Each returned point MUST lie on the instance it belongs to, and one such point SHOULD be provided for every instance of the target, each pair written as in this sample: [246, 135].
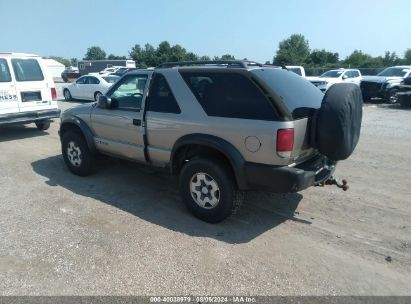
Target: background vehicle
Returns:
[386, 84]
[89, 87]
[27, 91]
[95, 66]
[198, 121]
[121, 71]
[327, 79]
[299, 70]
[404, 94]
[108, 71]
[70, 73]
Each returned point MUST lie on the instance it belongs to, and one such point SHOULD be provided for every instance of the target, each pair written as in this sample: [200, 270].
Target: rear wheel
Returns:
[76, 153]
[67, 95]
[209, 190]
[42, 126]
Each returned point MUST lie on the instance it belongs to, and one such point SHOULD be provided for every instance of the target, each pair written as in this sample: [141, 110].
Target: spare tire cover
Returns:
[338, 121]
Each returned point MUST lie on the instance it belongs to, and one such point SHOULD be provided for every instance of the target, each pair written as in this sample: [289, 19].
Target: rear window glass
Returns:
[229, 95]
[4, 71]
[27, 70]
[297, 93]
[161, 97]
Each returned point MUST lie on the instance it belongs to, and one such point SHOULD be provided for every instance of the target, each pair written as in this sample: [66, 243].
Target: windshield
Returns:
[111, 79]
[295, 70]
[298, 94]
[332, 74]
[393, 72]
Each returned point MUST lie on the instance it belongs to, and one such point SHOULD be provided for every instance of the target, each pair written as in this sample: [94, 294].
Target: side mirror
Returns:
[104, 102]
[345, 77]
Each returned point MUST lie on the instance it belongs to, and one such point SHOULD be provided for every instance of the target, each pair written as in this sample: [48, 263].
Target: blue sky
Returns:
[244, 28]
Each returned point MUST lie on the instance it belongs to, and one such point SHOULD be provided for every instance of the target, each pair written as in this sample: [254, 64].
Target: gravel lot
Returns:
[125, 230]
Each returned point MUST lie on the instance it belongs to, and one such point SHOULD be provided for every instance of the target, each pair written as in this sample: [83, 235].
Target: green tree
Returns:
[73, 61]
[62, 60]
[144, 57]
[95, 53]
[407, 56]
[227, 57]
[293, 50]
[115, 57]
[358, 59]
[323, 58]
[151, 57]
[389, 59]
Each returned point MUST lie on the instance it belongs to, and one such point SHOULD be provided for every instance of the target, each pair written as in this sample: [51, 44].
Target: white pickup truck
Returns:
[327, 79]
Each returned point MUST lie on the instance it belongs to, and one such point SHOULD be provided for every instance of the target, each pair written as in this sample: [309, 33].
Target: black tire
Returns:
[96, 95]
[74, 143]
[392, 96]
[43, 125]
[230, 198]
[67, 95]
[338, 122]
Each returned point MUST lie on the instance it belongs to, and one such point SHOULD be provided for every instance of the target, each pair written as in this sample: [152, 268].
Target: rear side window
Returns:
[161, 98]
[297, 93]
[229, 95]
[27, 70]
[4, 71]
[93, 80]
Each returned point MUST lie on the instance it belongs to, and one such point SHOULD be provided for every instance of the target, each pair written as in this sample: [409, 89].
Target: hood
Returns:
[80, 110]
[314, 78]
[381, 79]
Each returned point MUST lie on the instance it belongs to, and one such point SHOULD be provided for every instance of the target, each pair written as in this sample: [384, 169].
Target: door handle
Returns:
[137, 122]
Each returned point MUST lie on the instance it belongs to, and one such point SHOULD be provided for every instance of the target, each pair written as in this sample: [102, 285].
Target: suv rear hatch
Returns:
[299, 99]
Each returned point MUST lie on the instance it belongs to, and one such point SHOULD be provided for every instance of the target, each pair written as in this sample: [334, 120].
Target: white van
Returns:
[27, 91]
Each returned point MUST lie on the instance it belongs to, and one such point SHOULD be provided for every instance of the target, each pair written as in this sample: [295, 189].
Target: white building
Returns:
[55, 68]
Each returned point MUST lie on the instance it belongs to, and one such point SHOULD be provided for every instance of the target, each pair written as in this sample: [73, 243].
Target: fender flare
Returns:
[235, 158]
[85, 130]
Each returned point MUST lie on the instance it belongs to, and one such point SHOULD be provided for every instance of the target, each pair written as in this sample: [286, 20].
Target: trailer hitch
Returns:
[343, 184]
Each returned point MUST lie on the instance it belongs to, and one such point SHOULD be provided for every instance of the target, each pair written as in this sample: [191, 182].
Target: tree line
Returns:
[295, 50]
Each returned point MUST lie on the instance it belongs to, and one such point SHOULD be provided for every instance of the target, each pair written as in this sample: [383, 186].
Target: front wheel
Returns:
[393, 96]
[209, 190]
[76, 153]
[43, 126]
[97, 96]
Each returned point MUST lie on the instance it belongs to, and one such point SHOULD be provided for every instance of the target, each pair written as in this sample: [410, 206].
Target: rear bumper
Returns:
[29, 117]
[289, 179]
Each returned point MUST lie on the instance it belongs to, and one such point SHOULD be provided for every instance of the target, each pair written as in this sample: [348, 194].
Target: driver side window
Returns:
[128, 94]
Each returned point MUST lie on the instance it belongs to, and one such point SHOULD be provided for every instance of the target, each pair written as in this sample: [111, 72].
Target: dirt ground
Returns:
[125, 231]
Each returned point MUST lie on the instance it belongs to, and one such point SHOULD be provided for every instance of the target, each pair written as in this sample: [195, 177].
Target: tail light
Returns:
[285, 142]
[53, 94]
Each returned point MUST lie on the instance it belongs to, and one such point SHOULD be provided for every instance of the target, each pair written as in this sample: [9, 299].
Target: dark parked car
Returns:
[404, 95]
[69, 75]
[385, 84]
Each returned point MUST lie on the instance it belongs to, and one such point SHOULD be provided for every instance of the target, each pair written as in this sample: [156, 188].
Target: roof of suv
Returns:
[212, 63]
